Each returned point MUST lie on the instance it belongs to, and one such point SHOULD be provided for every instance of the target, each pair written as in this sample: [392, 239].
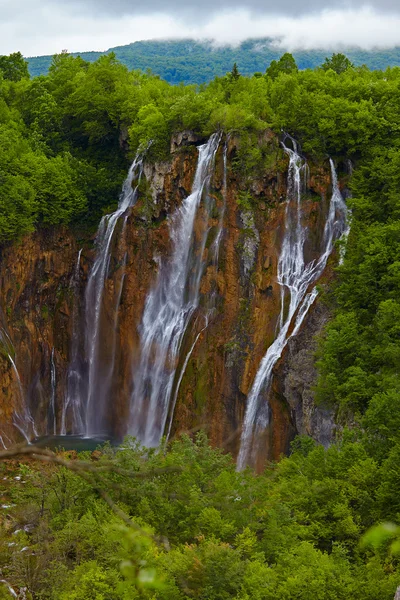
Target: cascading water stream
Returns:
[214, 252]
[109, 370]
[217, 242]
[22, 418]
[98, 386]
[53, 382]
[295, 278]
[169, 308]
[345, 234]
[71, 407]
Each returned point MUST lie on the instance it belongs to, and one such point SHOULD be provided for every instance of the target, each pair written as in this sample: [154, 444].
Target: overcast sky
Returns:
[48, 26]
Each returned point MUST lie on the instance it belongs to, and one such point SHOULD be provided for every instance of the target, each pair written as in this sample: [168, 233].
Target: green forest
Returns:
[189, 61]
[322, 524]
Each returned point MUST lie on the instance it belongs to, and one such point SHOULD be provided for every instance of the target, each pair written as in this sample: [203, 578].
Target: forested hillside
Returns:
[189, 61]
[301, 529]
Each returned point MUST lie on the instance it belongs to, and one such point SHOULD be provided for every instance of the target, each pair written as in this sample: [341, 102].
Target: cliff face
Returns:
[36, 307]
[42, 295]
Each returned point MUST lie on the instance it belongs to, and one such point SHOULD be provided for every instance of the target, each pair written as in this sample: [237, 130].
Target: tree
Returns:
[286, 64]
[14, 67]
[338, 63]
[234, 74]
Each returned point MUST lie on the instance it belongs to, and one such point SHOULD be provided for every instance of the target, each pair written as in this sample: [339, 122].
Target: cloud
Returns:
[207, 8]
[329, 29]
[44, 27]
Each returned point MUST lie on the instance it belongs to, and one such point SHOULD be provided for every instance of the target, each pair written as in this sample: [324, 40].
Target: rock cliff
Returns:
[42, 295]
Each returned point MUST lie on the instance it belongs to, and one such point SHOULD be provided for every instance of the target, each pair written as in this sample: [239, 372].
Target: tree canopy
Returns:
[199, 528]
[286, 64]
[338, 63]
[14, 67]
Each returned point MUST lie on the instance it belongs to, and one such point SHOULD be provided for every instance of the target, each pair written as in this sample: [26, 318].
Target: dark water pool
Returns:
[72, 442]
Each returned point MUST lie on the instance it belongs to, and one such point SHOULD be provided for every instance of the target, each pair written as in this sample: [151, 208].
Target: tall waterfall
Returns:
[296, 278]
[98, 378]
[52, 419]
[170, 306]
[71, 408]
[214, 256]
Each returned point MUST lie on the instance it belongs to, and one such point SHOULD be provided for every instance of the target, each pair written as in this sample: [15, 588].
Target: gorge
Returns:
[179, 316]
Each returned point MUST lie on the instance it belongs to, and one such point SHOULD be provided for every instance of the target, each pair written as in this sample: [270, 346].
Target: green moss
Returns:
[237, 347]
[244, 200]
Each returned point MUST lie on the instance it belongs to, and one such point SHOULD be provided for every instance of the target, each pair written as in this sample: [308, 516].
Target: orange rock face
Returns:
[37, 300]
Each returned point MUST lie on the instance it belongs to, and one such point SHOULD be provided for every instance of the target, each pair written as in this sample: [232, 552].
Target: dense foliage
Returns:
[66, 135]
[65, 142]
[188, 61]
[204, 531]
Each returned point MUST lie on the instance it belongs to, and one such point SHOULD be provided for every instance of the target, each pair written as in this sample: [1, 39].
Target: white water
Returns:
[345, 234]
[10, 589]
[214, 252]
[217, 242]
[98, 382]
[9, 440]
[112, 341]
[72, 403]
[178, 385]
[169, 308]
[22, 418]
[53, 382]
[295, 277]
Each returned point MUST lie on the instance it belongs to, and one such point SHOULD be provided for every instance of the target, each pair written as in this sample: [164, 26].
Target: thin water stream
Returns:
[22, 418]
[98, 381]
[71, 407]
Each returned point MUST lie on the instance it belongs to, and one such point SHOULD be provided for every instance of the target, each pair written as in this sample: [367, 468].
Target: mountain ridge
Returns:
[194, 62]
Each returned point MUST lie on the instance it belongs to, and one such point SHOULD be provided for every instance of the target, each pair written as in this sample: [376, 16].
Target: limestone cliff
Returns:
[42, 301]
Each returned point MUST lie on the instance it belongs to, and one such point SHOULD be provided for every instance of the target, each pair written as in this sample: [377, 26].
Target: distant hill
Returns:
[189, 61]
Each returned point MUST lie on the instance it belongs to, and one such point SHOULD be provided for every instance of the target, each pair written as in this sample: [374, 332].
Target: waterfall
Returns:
[22, 418]
[108, 374]
[214, 254]
[217, 242]
[345, 234]
[98, 381]
[295, 277]
[72, 400]
[170, 305]
[53, 382]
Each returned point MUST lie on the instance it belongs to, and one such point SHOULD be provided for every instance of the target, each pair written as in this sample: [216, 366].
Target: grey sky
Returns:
[205, 8]
[48, 26]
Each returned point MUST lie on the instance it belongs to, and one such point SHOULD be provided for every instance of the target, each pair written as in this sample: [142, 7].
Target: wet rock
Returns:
[298, 375]
[184, 138]
[251, 240]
